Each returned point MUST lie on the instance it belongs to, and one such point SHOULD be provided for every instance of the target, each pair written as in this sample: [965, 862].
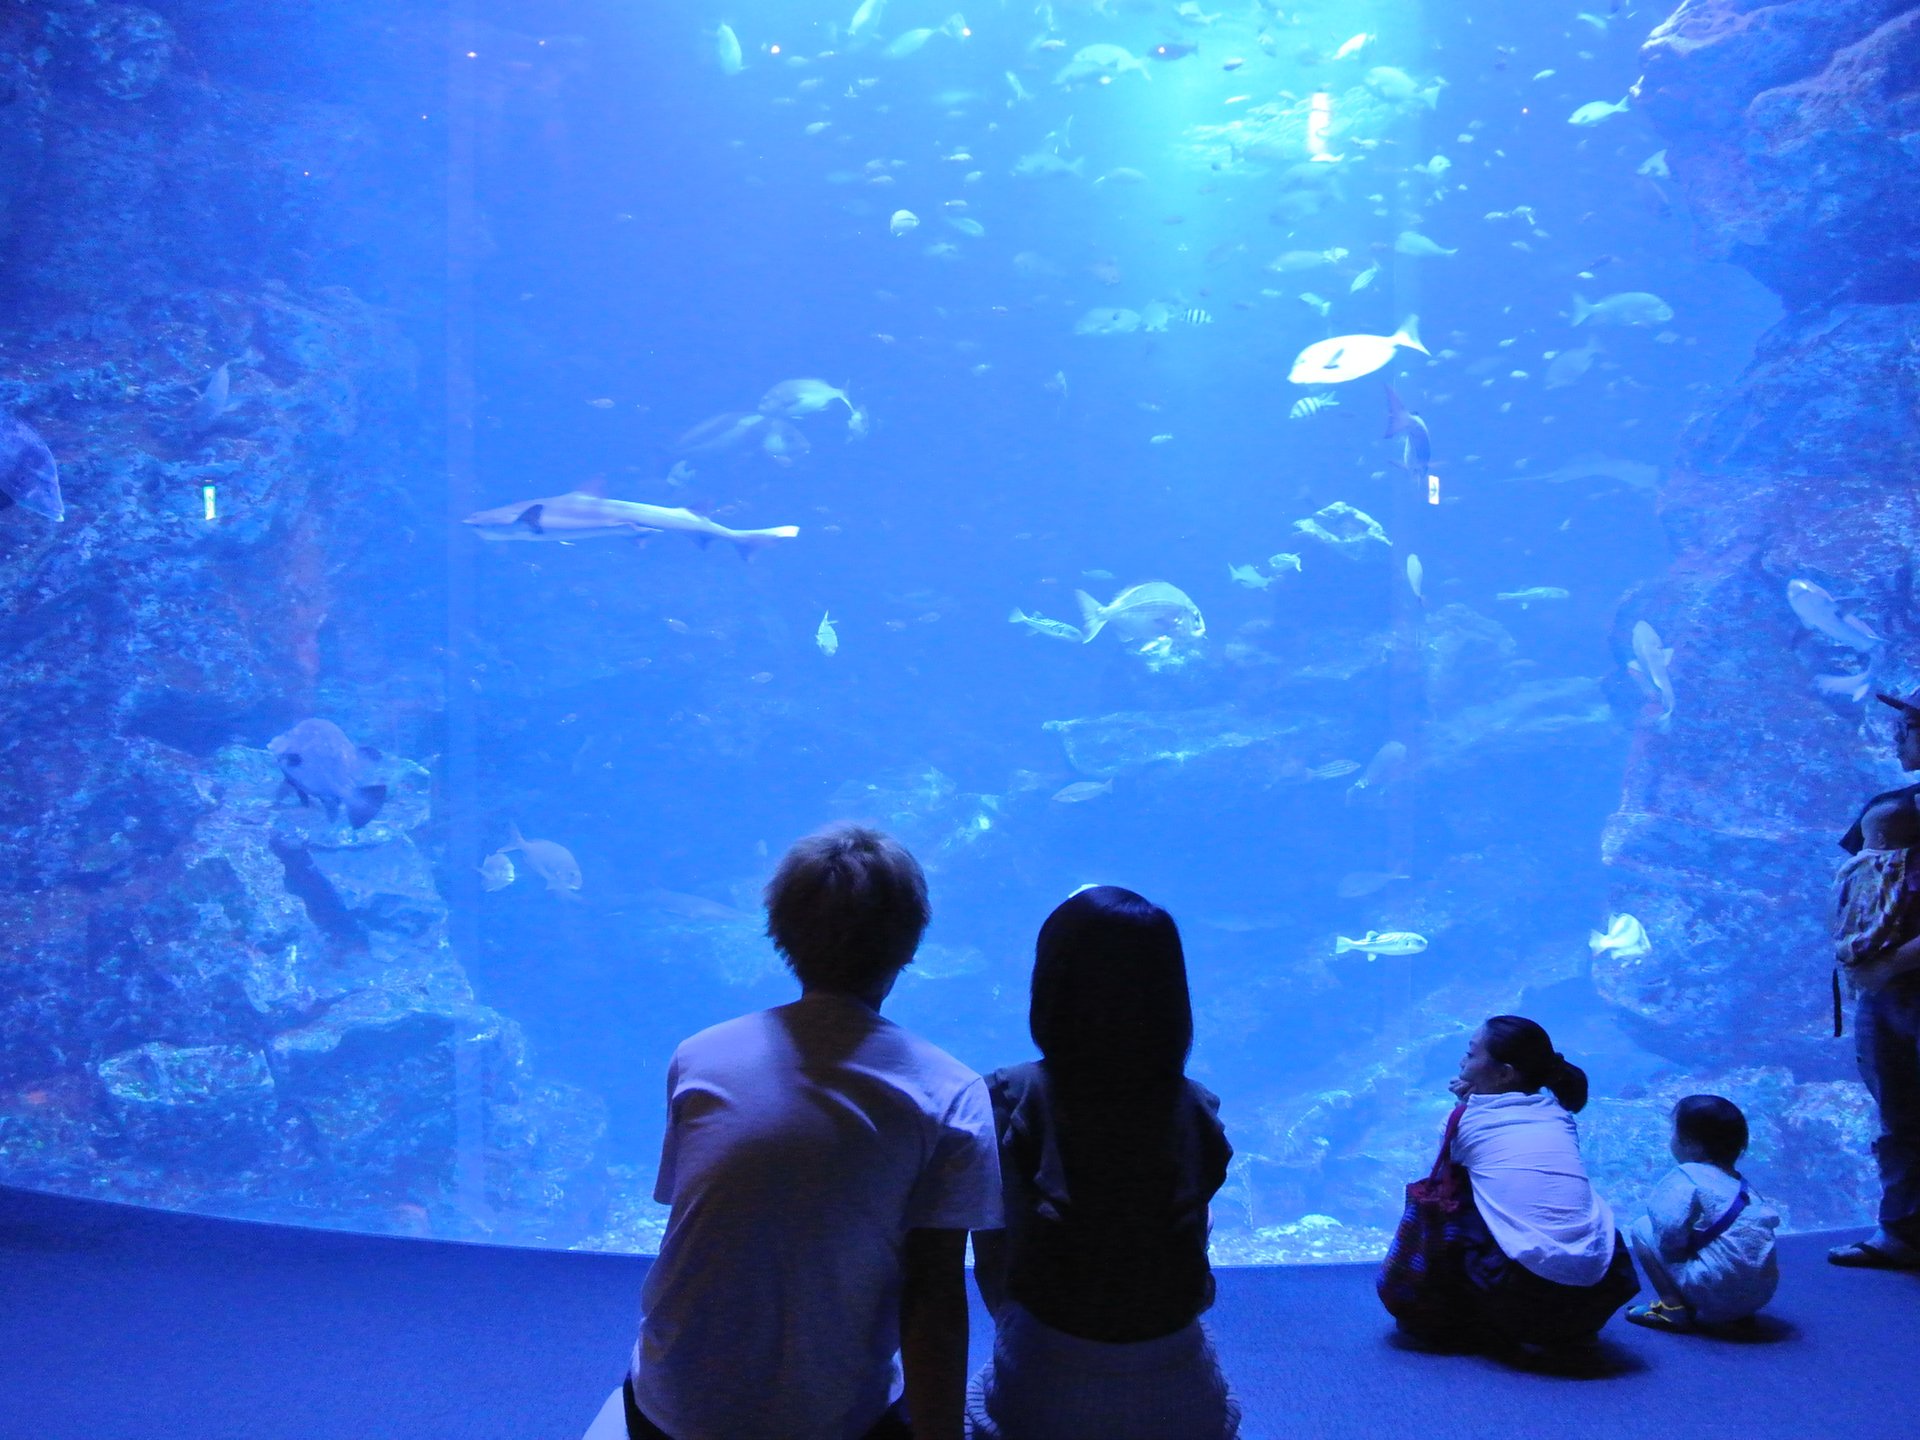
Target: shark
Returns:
[583, 515]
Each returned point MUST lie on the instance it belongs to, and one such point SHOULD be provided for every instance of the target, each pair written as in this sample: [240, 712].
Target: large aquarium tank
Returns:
[1424, 492]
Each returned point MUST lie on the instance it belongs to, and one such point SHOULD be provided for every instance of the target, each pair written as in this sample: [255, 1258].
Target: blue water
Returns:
[607, 239]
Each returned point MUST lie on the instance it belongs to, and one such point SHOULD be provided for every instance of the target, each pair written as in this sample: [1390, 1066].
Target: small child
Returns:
[1706, 1241]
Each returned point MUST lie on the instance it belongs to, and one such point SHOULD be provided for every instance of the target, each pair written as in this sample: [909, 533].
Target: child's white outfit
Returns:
[1711, 1239]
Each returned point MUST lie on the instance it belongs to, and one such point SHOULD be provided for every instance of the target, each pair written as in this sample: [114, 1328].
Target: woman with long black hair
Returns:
[1109, 1156]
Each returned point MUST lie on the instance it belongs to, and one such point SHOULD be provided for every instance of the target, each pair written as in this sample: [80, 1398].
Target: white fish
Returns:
[1283, 562]
[1526, 597]
[1820, 613]
[1316, 303]
[825, 636]
[496, 871]
[1568, 366]
[1416, 576]
[1365, 278]
[1020, 92]
[1105, 62]
[1349, 357]
[903, 222]
[1248, 576]
[551, 861]
[1353, 46]
[1309, 405]
[911, 41]
[859, 423]
[1153, 611]
[215, 400]
[1046, 165]
[1082, 791]
[865, 18]
[1386, 760]
[1594, 111]
[1382, 942]
[1434, 168]
[1625, 936]
[1412, 242]
[1630, 307]
[967, 225]
[1655, 166]
[1649, 667]
[1041, 625]
[1107, 321]
[726, 49]
[791, 398]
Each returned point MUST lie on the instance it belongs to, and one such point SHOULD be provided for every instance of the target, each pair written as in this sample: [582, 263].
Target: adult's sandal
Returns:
[1865, 1255]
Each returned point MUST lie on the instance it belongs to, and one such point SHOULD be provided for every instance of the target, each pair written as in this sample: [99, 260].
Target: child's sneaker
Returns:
[1661, 1316]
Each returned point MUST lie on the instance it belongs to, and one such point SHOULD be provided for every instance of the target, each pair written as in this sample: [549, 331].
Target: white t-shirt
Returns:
[1531, 1187]
[802, 1144]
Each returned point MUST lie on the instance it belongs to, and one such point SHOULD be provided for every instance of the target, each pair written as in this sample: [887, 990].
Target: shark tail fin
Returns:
[1091, 619]
[365, 803]
[1341, 945]
[1018, 617]
[519, 840]
[1409, 335]
[1581, 310]
[749, 541]
[1596, 941]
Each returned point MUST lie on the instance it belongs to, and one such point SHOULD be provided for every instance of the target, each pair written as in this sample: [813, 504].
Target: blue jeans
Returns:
[1886, 1037]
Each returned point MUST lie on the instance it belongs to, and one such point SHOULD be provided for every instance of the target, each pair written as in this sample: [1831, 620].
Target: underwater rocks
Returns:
[325, 1059]
[1793, 135]
[126, 51]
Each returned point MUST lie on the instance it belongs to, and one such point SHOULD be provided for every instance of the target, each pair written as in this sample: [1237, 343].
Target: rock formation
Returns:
[216, 998]
[1794, 140]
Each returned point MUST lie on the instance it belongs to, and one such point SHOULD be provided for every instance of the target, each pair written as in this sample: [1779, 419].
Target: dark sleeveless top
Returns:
[1106, 1203]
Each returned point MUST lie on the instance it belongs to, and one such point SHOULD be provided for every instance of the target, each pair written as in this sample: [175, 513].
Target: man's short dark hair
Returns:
[846, 907]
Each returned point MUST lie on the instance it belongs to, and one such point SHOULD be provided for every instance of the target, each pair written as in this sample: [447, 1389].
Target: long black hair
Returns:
[1110, 1006]
[1519, 1042]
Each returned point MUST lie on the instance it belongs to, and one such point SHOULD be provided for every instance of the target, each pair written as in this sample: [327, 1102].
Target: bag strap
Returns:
[1443, 1162]
[1720, 1227]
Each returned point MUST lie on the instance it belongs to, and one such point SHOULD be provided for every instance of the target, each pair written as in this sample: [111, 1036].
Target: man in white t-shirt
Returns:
[824, 1167]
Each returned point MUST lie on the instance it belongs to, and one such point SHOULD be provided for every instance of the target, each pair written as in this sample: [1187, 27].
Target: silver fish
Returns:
[1820, 613]
[496, 871]
[1382, 942]
[551, 861]
[29, 477]
[214, 401]
[1310, 405]
[1649, 667]
[1155, 610]
[1041, 625]
[1625, 936]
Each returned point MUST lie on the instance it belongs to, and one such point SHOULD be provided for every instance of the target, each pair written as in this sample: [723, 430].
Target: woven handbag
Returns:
[1420, 1278]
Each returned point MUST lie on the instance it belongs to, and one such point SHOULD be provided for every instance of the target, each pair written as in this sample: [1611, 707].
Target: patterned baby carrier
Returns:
[1876, 908]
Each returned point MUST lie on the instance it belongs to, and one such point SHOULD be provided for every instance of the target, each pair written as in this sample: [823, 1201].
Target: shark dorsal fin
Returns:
[530, 517]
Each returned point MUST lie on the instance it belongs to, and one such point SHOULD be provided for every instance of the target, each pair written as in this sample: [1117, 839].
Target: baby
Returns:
[1706, 1241]
[1876, 899]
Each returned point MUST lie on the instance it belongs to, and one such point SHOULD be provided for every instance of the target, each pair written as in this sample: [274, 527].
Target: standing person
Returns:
[1109, 1156]
[1877, 938]
[1539, 1261]
[824, 1167]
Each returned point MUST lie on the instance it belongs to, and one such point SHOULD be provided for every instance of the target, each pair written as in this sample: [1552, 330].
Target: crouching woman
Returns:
[1532, 1254]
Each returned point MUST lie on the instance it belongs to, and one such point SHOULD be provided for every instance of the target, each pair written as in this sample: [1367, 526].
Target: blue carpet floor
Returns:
[125, 1324]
